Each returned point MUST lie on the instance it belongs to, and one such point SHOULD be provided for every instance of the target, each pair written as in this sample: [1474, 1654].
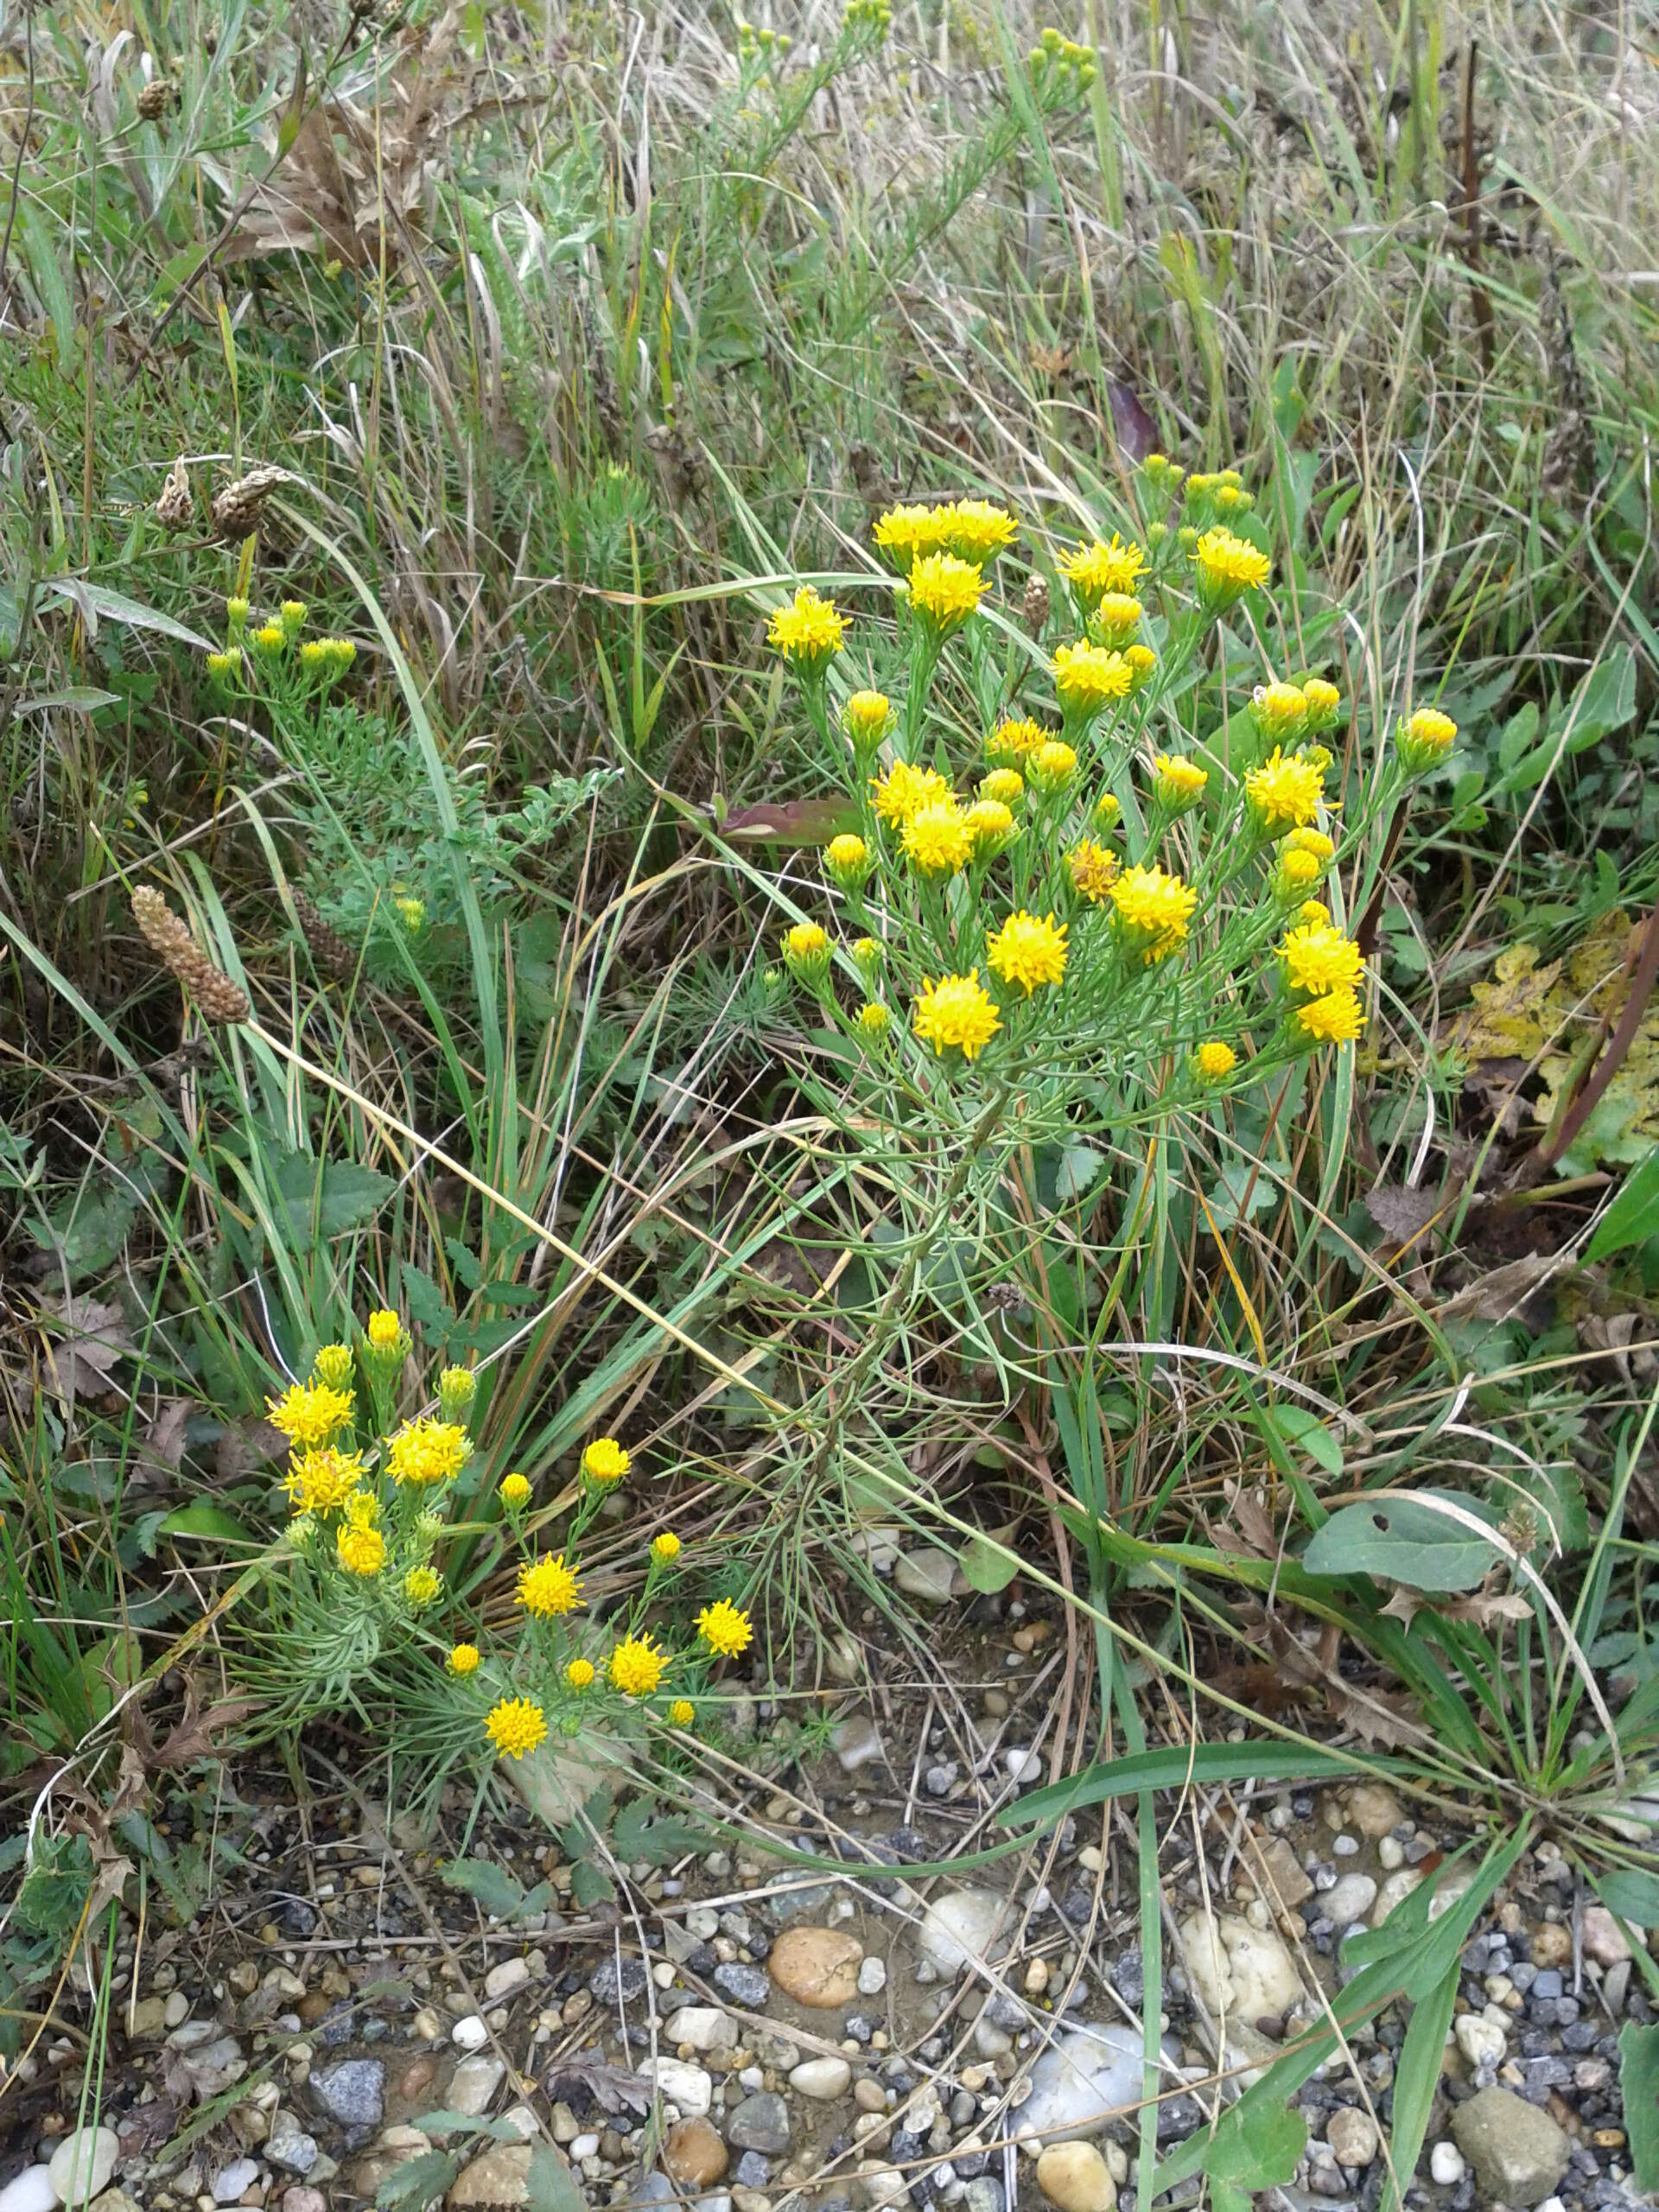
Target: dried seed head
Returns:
[157, 99]
[175, 508]
[218, 999]
[327, 948]
[237, 508]
[1036, 607]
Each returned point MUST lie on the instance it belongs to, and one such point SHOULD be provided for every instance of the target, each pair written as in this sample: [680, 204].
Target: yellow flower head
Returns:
[457, 1388]
[605, 1463]
[808, 632]
[1116, 619]
[272, 639]
[1178, 782]
[665, 1548]
[867, 716]
[847, 861]
[1336, 1019]
[359, 1550]
[422, 1585]
[725, 1628]
[1013, 742]
[990, 824]
[946, 591]
[363, 1510]
[515, 1491]
[1006, 785]
[333, 1365]
[975, 529]
[867, 957]
[903, 790]
[1425, 739]
[425, 1451]
[309, 1413]
[874, 1019]
[1285, 791]
[1154, 909]
[1051, 768]
[956, 1010]
[1227, 568]
[1088, 677]
[384, 1330]
[803, 940]
[1324, 702]
[1214, 1062]
[1299, 871]
[1095, 569]
[937, 838]
[637, 1666]
[1025, 952]
[223, 666]
[516, 1727]
[293, 614]
[1314, 915]
[463, 1659]
[323, 1479]
[1093, 868]
[236, 613]
[1106, 810]
[1278, 711]
[1141, 661]
[1317, 959]
[682, 1713]
[1310, 840]
[904, 533]
[548, 1588]
[580, 1675]
[412, 914]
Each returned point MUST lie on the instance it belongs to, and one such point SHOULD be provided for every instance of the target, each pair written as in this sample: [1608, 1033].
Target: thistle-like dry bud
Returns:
[217, 997]
[327, 948]
[157, 99]
[1036, 607]
[237, 508]
[175, 507]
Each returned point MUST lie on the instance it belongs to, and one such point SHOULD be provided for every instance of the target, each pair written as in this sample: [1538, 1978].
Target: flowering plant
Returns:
[1129, 904]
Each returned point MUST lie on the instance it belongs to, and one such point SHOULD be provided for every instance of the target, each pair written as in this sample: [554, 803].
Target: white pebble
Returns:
[469, 2034]
[1446, 2165]
[1023, 1765]
[872, 1977]
[1391, 1856]
[29, 2191]
[585, 2147]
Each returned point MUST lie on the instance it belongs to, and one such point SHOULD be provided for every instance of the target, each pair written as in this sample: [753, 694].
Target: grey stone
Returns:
[81, 2165]
[353, 2092]
[749, 1987]
[1081, 2082]
[760, 2123]
[473, 2084]
[618, 1980]
[230, 2181]
[288, 2147]
[752, 2171]
[1517, 2151]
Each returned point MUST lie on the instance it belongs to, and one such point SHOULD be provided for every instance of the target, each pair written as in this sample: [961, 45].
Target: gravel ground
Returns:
[823, 2043]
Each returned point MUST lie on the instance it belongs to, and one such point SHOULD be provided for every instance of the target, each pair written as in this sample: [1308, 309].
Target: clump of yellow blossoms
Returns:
[516, 1727]
[463, 1659]
[1286, 790]
[1214, 1061]
[1318, 959]
[957, 1012]
[937, 839]
[665, 1548]
[1425, 739]
[1177, 782]
[1227, 567]
[605, 1463]
[1088, 678]
[1153, 910]
[1095, 569]
[1013, 740]
[310, 1413]
[515, 1492]
[725, 1628]
[424, 1451]
[1006, 785]
[1093, 868]
[547, 1588]
[903, 790]
[946, 591]
[322, 1479]
[808, 632]
[1027, 953]
[636, 1666]
[874, 1019]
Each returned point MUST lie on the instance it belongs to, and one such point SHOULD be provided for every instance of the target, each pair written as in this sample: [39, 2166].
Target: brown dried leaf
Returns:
[1503, 1291]
[1481, 1607]
[1251, 1520]
[791, 821]
[1402, 1213]
[94, 1339]
[1381, 1718]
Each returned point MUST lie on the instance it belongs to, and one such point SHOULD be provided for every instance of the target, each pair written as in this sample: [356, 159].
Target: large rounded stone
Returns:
[1246, 1972]
[967, 1927]
[81, 2165]
[694, 2155]
[1075, 2176]
[1517, 2151]
[501, 2177]
[816, 1967]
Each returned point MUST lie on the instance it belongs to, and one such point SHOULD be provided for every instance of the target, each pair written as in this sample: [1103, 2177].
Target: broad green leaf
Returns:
[1605, 700]
[326, 1198]
[1174, 1768]
[90, 1231]
[590, 1885]
[637, 1835]
[1417, 2074]
[1634, 1214]
[1638, 2077]
[500, 1894]
[1631, 1894]
[1079, 1164]
[201, 1518]
[1255, 2147]
[1401, 1539]
[97, 602]
[987, 1566]
[417, 2181]
[1304, 1432]
[83, 697]
[552, 2187]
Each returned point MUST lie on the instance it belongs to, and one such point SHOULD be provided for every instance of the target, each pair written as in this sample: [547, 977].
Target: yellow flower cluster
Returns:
[809, 632]
[425, 1452]
[945, 590]
[310, 1413]
[970, 529]
[1097, 568]
[956, 1011]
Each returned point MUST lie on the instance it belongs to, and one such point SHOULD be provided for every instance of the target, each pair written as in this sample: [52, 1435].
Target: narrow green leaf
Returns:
[1174, 1768]
[201, 1518]
[1634, 1214]
[1417, 2075]
[1638, 2075]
